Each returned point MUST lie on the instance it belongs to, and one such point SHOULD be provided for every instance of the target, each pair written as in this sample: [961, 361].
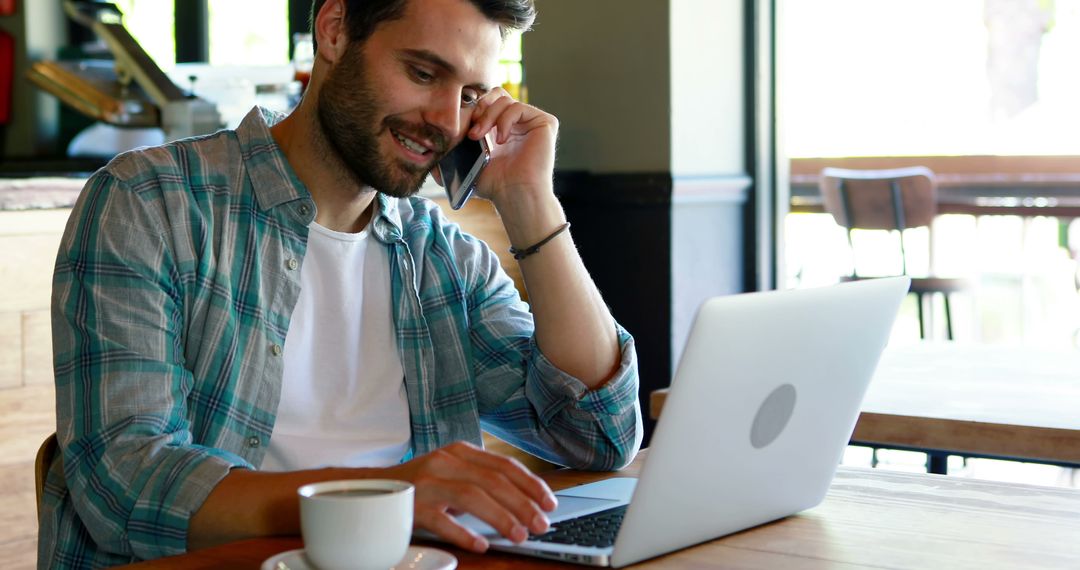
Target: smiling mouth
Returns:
[411, 144]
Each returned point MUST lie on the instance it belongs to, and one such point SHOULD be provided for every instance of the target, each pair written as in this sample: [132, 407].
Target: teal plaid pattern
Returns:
[173, 287]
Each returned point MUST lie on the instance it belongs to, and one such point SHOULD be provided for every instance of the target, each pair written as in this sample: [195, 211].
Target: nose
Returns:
[444, 112]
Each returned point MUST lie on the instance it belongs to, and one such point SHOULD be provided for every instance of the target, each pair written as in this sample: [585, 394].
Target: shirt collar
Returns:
[387, 226]
[275, 182]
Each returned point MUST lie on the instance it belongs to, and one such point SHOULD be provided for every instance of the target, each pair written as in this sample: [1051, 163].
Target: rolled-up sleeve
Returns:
[607, 419]
[130, 463]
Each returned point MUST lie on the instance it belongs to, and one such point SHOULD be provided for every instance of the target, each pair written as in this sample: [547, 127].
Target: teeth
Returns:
[411, 145]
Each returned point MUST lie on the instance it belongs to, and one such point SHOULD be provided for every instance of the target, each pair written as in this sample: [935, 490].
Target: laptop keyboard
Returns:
[597, 529]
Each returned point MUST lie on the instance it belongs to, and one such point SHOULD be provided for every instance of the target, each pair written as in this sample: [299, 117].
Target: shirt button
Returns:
[253, 441]
[304, 210]
[276, 350]
[292, 264]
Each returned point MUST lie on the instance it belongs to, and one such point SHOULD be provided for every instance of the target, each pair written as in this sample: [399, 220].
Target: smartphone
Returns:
[461, 167]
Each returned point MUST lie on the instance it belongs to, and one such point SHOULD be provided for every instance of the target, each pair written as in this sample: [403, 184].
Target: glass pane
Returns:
[925, 77]
[510, 61]
[249, 32]
[152, 24]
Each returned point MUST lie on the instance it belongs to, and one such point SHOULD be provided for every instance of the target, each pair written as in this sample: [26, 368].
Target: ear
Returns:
[330, 30]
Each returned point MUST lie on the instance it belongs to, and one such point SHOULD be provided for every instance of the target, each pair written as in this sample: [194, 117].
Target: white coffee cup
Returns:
[356, 524]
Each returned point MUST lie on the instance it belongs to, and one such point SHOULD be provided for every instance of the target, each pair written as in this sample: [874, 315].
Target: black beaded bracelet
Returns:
[520, 254]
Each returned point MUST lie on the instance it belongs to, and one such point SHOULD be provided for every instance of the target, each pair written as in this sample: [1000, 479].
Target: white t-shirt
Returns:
[343, 400]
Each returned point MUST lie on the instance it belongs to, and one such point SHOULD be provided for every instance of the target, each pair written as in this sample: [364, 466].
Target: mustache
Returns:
[424, 131]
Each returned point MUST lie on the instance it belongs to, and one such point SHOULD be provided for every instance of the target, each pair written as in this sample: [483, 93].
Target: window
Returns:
[242, 32]
[510, 61]
[249, 32]
[152, 24]
[925, 77]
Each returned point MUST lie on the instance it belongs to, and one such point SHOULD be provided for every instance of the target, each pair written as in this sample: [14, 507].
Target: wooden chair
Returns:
[46, 454]
[890, 200]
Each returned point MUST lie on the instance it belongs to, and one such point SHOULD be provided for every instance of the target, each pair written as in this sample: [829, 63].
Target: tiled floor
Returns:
[26, 419]
[28, 244]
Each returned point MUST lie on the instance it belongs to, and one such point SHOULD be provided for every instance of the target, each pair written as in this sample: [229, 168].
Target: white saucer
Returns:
[417, 558]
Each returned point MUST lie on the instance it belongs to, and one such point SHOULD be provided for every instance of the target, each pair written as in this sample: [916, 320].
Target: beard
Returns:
[349, 114]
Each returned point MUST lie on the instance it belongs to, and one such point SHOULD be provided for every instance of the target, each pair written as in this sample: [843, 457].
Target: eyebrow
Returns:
[434, 59]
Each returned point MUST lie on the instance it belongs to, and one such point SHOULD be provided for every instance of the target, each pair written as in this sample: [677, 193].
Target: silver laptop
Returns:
[762, 405]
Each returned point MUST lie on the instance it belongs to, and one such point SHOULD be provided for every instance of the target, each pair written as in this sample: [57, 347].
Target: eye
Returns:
[421, 75]
[469, 97]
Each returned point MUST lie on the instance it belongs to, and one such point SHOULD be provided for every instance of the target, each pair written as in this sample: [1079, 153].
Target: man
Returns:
[217, 327]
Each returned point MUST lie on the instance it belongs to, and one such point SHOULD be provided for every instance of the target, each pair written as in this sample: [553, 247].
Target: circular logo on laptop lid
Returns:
[772, 417]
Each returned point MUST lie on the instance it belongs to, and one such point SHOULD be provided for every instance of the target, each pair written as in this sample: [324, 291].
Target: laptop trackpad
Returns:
[573, 502]
[570, 507]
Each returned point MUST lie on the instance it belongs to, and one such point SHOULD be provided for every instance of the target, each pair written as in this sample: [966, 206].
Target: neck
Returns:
[343, 202]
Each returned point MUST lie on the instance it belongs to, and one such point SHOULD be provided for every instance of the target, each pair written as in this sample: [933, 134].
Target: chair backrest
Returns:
[45, 456]
[894, 199]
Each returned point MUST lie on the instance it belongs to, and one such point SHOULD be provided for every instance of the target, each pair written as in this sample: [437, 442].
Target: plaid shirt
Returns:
[174, 284]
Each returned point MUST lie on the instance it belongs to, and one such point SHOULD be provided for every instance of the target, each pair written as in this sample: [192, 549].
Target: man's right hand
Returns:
[455, 479]
[464, 478]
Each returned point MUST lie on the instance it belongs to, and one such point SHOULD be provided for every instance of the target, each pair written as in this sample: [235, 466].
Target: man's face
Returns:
[392, 106]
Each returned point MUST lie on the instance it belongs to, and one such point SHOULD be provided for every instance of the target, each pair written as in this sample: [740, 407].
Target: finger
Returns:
[476, 500]
[490, 98]
[485, 119]
[503, 480]
[444, 525]
[509, 497]
[510, 122]
[516, 473]
[437, 176]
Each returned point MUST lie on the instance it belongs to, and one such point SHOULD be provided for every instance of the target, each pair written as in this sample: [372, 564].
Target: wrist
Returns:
[529, 214]
[520, 253]
[523, 197]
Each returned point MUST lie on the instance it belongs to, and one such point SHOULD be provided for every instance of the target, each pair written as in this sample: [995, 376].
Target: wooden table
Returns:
[870, 519]
[975, 400]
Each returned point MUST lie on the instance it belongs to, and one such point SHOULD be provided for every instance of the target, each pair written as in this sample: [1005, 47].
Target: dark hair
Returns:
[363, 16]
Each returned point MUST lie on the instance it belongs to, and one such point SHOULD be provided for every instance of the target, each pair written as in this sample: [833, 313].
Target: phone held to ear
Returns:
[461, 167]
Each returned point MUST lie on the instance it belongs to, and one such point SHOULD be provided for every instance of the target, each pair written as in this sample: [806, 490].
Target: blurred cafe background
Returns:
[694, 135]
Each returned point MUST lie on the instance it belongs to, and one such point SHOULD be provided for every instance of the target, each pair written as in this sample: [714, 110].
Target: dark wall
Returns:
[657, 191]
[299, 18]
[622, 228]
